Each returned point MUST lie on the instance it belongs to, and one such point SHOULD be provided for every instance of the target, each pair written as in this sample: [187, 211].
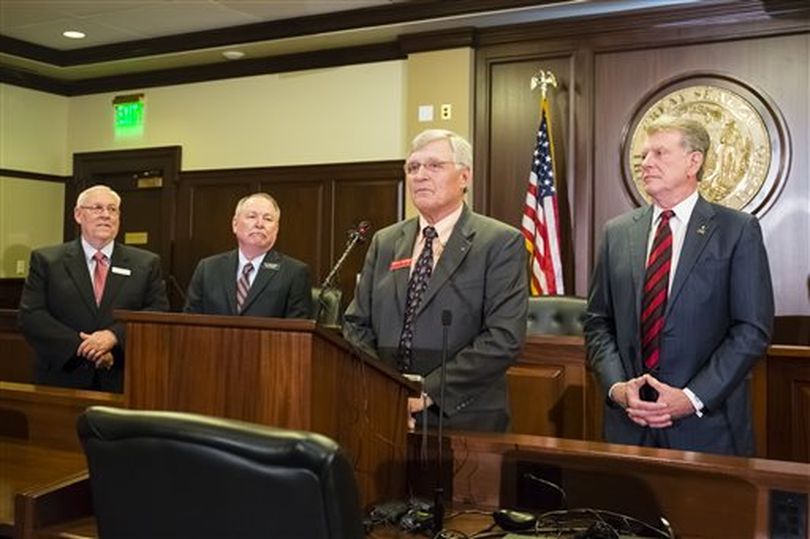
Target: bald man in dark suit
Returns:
[71, 291]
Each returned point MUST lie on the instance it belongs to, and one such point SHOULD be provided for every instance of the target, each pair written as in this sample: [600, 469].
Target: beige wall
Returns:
[33, 131]
[437, 78]
[31, 216]
[341, 114]
[354, 113]
[33, 138]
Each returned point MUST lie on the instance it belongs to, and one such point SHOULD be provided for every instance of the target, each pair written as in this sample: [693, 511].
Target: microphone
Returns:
[360, 232]
[357, 235]
[438, 501]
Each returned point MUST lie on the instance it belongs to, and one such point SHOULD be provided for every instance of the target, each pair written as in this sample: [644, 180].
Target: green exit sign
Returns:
[129, 114]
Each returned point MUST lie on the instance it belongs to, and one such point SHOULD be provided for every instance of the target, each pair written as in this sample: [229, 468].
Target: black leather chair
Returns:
[556, 315]
[327, 306]
[172, 475]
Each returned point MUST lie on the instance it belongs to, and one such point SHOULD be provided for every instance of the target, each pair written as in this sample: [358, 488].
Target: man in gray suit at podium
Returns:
[448, 262]
[255, 279]
[680, 307]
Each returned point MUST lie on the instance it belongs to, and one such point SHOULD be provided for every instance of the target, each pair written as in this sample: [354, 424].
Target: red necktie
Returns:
[656, 287]
[99, 275]
[243, 286]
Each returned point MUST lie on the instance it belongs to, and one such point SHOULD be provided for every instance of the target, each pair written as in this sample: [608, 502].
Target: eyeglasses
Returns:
[98, 209]
[412, 167]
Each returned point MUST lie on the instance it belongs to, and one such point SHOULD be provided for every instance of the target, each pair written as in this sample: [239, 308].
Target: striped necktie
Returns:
[656, 287]
[416, 289]
[243, 286]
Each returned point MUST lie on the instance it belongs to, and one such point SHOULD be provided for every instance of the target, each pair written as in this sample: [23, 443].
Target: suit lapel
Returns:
[120, 259]
[404, 250]
[268, 268]
[228, 269]
[76, 267]
[698, 233]
[637, 238]
[458, 245]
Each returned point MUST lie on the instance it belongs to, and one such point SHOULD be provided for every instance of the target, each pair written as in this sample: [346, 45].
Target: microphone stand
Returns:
[356, 236]
[438, 499]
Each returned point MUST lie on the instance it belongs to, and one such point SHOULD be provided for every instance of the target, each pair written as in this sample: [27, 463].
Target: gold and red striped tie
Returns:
[656, 287]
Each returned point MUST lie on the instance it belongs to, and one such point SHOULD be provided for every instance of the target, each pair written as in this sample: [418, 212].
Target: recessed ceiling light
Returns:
[73, 34]
[233, 55]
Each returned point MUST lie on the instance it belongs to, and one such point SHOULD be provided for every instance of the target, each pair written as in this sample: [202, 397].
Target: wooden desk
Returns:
[702, 495]
[29, 468]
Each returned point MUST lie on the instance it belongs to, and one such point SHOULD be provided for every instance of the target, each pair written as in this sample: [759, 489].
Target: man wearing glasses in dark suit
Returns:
[448, 258]
[72, 289]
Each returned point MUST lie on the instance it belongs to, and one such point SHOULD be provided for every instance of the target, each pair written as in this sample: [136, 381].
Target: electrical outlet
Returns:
[447, 111]
[21, 267]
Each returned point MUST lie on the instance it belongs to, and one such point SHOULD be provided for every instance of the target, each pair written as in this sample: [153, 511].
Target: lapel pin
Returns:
[701, 229]
[271, 266]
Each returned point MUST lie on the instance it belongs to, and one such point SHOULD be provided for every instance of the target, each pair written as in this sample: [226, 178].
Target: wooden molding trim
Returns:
[25, 175]
[738, 19]
[167, 77]
[443, 39]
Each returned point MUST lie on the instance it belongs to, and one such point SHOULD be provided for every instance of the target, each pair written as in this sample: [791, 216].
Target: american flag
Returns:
[540, 224]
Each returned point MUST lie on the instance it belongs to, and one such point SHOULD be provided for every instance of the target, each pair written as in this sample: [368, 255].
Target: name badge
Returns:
[121, 271]
[273, 266]
[399, 264]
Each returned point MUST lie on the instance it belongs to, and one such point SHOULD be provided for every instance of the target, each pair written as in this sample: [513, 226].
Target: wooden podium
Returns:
[285, 373]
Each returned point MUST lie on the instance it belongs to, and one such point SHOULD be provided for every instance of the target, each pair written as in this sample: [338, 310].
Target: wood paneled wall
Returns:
[319, 204]
[605, 67]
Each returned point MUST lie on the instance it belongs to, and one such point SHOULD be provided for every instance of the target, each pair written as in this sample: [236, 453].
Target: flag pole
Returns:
[540, 222]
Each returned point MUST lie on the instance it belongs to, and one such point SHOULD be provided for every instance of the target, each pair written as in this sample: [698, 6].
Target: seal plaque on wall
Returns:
[749, 155]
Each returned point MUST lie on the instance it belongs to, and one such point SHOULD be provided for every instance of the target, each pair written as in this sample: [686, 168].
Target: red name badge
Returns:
[399, 264]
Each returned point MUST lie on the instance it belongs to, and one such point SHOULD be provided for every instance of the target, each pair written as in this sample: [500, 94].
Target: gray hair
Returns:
[80, 200]
[462, 151]
[243, 201]
[694, 136]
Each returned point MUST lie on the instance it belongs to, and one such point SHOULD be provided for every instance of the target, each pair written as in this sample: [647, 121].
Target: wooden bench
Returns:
[43, 478]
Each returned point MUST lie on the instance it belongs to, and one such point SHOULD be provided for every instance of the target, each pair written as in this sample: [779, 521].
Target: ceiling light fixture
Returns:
[233, 55]
[73, 34]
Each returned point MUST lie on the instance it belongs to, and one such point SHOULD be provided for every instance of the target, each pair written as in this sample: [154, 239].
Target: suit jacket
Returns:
[481, 279]
[58, 302]
[282, 287]
[718, 322]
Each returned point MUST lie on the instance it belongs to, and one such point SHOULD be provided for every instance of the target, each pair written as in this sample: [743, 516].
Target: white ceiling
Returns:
[42, 22]
[111, 21]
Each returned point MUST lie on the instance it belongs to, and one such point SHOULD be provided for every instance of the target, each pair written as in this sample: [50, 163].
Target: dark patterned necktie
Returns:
[656, 287]
[243, 286]
[416, 289]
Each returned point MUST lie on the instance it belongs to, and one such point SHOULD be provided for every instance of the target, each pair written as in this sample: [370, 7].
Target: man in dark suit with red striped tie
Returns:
[66, 308]
[680, 308]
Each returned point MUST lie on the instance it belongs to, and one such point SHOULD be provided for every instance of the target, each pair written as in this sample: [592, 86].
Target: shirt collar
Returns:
[90, 251]
[443, 227]
[255, 261]
[682, 210]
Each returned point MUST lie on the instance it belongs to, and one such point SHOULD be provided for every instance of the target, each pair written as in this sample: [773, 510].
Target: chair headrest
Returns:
[261, 444]
[556, 315]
